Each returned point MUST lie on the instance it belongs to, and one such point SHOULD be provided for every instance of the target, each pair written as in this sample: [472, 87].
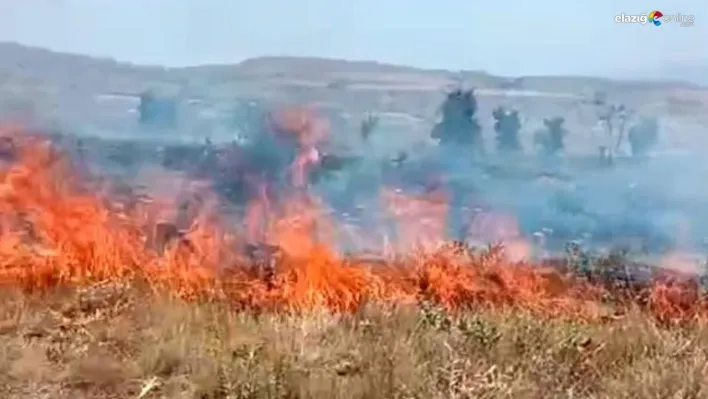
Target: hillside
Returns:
[64, 87]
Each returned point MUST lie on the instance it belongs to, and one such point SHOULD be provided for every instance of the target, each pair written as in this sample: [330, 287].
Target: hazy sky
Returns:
[502, 36]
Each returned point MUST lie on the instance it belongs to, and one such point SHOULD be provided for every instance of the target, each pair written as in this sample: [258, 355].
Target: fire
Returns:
[495, 226]
[56, 229]
[419, 220]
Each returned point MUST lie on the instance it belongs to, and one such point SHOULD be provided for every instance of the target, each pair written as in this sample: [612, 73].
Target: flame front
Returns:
[56, 230]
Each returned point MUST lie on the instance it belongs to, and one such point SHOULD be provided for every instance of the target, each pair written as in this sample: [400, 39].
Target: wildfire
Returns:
[56, 229]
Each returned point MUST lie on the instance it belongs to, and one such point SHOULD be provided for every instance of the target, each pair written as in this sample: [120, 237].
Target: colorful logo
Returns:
[654, 17]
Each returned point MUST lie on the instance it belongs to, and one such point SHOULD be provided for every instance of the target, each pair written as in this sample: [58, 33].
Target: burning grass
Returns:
[116, 299]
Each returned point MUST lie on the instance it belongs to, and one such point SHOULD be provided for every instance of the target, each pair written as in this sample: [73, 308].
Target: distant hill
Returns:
[66, 86]
[694, 73]
[50, 65]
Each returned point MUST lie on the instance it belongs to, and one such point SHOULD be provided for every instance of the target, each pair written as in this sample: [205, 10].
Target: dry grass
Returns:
[126, 340]
[116, 342]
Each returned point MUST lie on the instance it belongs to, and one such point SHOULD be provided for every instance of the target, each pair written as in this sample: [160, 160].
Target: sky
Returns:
[503, 37]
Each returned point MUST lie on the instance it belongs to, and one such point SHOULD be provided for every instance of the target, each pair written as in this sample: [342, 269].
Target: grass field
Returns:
[90, 307]
[116, 342]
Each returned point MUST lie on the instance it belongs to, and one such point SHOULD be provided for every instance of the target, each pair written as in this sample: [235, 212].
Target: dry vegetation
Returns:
[92, 309]
[127, 345]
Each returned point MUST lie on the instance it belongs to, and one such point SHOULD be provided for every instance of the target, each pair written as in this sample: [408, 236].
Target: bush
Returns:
[551, 138]
[507, 125]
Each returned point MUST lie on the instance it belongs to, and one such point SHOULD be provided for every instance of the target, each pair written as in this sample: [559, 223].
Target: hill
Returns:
[65, 87]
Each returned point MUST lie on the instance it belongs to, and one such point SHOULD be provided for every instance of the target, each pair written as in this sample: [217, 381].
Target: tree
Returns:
[614, 118]
[507, 125]
[460, 138]
[551, 137]
[621, 114]
[368, 126]
[459, 126]
[643, 136]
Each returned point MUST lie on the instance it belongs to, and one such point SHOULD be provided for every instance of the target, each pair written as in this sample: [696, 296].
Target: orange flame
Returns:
[56, 230]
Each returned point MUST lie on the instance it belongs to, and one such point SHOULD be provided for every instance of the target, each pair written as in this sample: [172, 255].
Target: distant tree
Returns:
[551, 138]
[459, 126]
[368, 126]
[145, 108]
[507, 126]
[621, 115]
[643, 136]
[459, 134]
[614, 118]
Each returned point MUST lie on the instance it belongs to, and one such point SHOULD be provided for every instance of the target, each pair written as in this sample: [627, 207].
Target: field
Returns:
[90, 311]
[140, 266]
[129, 345]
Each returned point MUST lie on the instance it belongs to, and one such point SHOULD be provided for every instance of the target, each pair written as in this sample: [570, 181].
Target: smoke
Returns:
[650, 206]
